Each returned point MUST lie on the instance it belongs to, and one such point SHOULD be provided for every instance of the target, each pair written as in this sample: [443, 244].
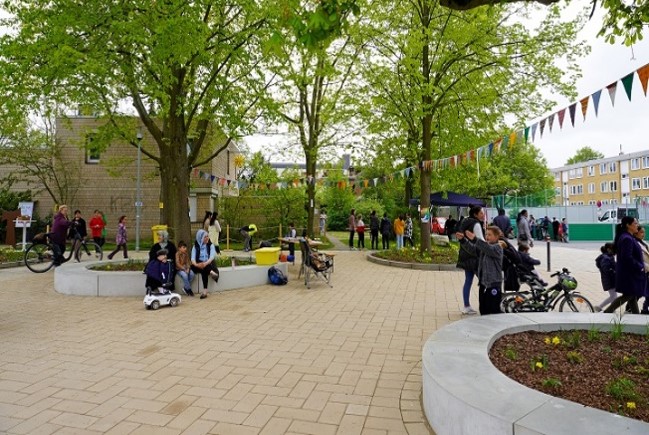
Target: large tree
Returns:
[584, 154]
[188, 69]
[444, 80]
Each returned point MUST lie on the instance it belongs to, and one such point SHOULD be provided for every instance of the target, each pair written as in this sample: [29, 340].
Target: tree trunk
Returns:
[310, 193]
[427, 136]
[174, 182]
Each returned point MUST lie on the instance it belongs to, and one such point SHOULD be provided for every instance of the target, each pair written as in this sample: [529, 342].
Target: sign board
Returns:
[26, 213]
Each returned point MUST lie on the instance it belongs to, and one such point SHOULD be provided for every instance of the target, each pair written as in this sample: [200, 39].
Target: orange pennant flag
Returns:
[643, 75]
[512, 140]
[584, 106]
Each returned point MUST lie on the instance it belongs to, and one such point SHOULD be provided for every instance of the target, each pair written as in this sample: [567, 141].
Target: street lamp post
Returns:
[138, 194]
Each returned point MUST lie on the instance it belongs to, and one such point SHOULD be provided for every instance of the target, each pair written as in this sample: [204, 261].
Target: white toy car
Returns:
[157, 298]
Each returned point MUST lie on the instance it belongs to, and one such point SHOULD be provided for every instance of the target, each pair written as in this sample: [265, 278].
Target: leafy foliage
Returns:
[584, 154]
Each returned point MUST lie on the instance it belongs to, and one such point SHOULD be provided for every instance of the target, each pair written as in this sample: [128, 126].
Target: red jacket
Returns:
[96, 226]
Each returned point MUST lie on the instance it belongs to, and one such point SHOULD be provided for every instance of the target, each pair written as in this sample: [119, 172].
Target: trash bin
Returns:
[155, 229]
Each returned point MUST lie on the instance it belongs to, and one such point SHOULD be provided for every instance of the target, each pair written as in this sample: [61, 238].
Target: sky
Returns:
[624, 125]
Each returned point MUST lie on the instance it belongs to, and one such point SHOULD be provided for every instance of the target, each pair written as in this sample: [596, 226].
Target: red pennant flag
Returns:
[643, 75]
[561, 114]
[584, 106]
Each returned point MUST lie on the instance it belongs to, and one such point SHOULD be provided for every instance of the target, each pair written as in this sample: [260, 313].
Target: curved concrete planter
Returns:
[418, 266]
[463, 393]
[77, 279]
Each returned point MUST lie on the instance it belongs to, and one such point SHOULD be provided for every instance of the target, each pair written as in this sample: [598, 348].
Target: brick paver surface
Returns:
[263, 360]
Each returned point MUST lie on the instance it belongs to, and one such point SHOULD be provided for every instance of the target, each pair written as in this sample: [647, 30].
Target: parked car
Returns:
[437, 225]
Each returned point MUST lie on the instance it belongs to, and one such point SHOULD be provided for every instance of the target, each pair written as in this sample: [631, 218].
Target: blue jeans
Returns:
[466, 290]
[187, 278]
[399, 241]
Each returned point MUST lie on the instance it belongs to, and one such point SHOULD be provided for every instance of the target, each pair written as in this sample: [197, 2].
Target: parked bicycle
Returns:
[540, 299]
[39, 257]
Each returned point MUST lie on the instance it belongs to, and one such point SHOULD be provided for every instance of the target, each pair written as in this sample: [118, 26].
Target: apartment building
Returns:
[619, 180]
[107, 180]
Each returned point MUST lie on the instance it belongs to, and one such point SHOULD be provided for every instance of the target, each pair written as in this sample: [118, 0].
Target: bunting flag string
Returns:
[505, 143]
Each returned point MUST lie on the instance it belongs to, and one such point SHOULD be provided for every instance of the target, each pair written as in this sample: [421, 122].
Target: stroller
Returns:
[316, 264]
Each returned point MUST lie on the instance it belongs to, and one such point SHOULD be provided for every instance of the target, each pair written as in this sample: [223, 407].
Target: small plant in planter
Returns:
[575, 357]
[551, 383]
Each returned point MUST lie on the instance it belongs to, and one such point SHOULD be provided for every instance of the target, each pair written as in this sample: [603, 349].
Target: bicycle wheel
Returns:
[39, 257]
[575, 302]
[89, 251]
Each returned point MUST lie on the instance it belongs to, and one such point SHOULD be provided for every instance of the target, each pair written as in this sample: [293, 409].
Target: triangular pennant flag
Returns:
[627, 81]
[596, 96]
[212, 178]
[571, 109]
[643, 75]
[527, 134]
[505, 143]
[497, 144]
[561, 114]
[584, 106]
[534, 131]
[542, 125]
[550, 121]
[611, 92]
[512, 139]
[491, 148]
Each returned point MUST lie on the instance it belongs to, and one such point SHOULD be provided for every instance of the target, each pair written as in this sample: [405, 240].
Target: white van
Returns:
[615, 215]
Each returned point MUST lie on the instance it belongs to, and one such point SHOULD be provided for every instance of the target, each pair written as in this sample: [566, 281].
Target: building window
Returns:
[613, 186]
[591, 171]
[603, 168]
[591, 187]
[635, 163]
[645, 182]
[612, 167]
[613, 201]
[92, 153]
[603, 187]
[592, 202]
[227, 166]
[645, 162]
[635, 183]
[571, 174]
[579, 172]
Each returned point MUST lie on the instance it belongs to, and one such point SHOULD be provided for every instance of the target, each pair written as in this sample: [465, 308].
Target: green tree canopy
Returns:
[584, 154]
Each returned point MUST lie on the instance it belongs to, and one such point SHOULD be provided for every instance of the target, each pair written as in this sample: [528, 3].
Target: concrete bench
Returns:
[79, 280]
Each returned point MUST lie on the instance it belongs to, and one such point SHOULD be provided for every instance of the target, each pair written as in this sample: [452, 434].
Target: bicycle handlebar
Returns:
[559, 272]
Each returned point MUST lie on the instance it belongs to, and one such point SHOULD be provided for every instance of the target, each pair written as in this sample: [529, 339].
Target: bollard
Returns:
[547, 241]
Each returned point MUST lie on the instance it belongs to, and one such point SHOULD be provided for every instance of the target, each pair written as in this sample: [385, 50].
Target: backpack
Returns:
[276, 276]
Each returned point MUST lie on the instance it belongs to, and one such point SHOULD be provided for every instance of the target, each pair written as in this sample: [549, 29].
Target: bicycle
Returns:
[541, 299]
[39, 257]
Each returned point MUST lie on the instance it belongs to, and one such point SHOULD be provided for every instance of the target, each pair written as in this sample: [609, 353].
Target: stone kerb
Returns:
[464, 393]
[79, 280]
[419, 266]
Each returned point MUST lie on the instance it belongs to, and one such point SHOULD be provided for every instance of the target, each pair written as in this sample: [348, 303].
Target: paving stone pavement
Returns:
[263, 360]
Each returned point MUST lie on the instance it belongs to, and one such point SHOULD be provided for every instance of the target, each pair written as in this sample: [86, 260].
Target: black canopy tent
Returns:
[452, 199]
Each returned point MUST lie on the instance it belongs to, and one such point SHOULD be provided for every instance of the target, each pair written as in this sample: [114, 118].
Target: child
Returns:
[360, 230]
[158, 273]
[528, 261]
[120, 239]
[605, 262]
[292, 234]
[184, 268]
[490, 270]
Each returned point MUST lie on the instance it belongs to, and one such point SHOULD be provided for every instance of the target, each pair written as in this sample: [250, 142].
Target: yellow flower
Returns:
[539, 365]
[625, 358]
[630, 405]
[547, 340]
[556, 340]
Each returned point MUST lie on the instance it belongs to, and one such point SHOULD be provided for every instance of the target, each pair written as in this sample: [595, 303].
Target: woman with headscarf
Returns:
[202, 258]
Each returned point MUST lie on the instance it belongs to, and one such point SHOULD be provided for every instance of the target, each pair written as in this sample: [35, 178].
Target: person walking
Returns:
[121, 238]
[555, 229]
[385, 228]
[502, 221]
[523, 225]
[564, 230]
[323, 222]
[606, 265]
[630, 274]
[247, 232]
[78, 232]
[467, 256]
[351, 227]
[97, 227]
[360, 230]
[202, 258]
[407, 233]
[214, 230]
[374, 230]
[399, 228]
[640, 236]
[60, 226]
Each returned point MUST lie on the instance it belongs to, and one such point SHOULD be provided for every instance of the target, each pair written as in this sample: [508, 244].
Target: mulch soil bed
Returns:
[604, 370]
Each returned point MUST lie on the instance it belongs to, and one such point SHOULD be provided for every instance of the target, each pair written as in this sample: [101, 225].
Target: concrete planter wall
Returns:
[79, 280]
[463, 393]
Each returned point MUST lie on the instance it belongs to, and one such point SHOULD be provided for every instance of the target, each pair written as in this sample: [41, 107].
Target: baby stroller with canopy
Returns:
[315, 264]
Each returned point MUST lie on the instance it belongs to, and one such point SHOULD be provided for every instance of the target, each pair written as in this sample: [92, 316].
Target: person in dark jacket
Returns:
[159, 272]
[78, 231]
[385, 228]
[555, 229]
[467, 256]
[60, 226]
[165, 243]
[374, 230]
[502, 221]
[528, 262]
[630, 276]
[606, 264]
